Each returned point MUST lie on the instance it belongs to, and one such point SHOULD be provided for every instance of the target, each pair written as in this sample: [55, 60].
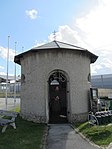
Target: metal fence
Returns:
[10, 89]
[102, 81]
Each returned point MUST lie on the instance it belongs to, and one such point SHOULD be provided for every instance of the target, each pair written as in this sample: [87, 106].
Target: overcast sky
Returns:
[85, 23]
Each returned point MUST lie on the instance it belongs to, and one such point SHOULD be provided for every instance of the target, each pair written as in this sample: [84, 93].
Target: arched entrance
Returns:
[57, 97]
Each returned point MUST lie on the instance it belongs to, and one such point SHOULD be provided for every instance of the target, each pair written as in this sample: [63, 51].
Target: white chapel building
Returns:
[55, 82]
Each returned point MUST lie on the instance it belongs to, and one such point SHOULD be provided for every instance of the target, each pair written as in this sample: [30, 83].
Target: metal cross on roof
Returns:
[54, 35]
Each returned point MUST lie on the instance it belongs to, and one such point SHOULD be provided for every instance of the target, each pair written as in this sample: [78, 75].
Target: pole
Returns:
[7, 73]
[15, 80]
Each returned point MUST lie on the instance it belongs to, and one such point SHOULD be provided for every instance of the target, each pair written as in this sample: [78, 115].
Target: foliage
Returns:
[100, 135]
[28, 135]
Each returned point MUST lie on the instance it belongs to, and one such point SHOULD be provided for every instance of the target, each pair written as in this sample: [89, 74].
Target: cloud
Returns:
[1, 67]
[2, 73]
[94, 32]
[66, 34]
[3, 53]
[95, 68]
[32, 14]
[97, 24]
[107, 63]
[36, 43]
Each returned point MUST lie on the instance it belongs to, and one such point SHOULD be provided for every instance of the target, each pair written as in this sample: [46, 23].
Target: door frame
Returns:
[67, 95]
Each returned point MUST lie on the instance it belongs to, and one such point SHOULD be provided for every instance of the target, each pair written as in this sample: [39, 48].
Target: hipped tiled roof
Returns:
[58, 46]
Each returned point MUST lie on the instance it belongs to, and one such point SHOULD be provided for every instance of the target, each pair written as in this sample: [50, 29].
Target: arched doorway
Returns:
[57, 97]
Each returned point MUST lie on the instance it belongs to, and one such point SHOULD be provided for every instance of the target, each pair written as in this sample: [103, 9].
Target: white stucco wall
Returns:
[37, 66]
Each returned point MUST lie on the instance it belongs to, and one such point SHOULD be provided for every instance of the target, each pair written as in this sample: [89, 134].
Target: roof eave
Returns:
[17, 58]
[93, 57]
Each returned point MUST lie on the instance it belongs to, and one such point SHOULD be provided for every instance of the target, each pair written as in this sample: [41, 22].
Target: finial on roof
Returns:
[22, 48]
[54, 35]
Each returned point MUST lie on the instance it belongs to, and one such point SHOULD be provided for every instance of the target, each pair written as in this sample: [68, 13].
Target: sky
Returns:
[30, 23]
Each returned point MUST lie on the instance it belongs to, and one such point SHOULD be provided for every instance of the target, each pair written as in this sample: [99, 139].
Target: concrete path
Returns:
[62, 136]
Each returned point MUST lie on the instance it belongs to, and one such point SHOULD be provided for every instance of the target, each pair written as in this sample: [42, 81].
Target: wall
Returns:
[37, 67]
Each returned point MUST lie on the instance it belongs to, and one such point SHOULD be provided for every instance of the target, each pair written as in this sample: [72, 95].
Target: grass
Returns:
[100, 135]
[28, 135]
[16, 109]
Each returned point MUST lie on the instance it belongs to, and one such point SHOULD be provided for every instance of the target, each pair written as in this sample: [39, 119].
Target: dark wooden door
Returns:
[57, 103]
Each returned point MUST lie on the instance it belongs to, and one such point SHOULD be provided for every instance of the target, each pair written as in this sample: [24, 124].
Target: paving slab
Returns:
[62, 136]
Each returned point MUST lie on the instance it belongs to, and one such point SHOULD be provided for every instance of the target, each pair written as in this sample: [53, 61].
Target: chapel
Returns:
[55, 82]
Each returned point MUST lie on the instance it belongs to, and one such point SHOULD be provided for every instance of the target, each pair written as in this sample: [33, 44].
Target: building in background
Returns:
[103, 83]
[10, 87]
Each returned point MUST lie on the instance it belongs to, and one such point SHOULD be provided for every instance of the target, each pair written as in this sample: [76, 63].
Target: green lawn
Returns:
[28, 135]
[100, 135]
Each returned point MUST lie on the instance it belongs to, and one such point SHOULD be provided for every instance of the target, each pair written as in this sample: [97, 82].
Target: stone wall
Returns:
[34, 118]
[82, 117]
[37, 68]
